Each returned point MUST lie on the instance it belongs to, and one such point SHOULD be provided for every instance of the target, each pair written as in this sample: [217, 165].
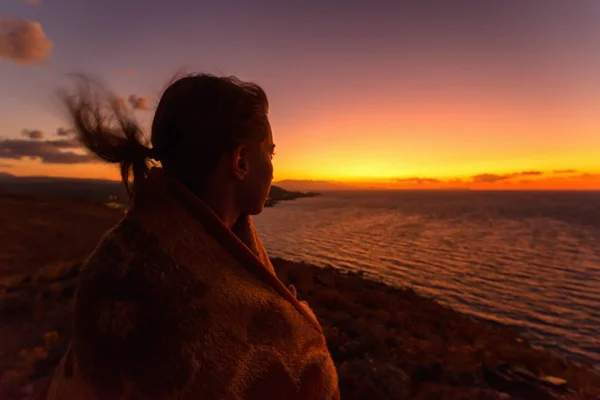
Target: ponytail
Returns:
[105, 127]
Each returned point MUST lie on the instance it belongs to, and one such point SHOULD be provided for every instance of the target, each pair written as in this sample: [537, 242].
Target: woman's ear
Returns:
[240, 162]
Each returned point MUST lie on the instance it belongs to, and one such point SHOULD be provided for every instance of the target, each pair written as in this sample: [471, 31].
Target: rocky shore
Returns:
[278, 194]
[387, 343]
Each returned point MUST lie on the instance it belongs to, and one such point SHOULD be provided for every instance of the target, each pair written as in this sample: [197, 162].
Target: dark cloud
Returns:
[417, 180]
[138, 103]
[491, 178]
[23, 42]
[48, 151]
[64, 143]
[32, 133]
[527, 173]
[565, 171]
[63, 132]
[33, 2]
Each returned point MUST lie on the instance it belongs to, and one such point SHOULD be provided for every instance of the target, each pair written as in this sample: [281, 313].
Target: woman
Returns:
[180, 300]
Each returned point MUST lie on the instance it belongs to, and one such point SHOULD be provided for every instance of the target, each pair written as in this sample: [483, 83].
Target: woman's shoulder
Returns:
[129, 288]
[130, 259]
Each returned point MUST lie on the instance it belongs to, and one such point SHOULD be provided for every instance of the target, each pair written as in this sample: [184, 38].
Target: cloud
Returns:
[565, 171]
[64, 143]
[417, 180]
[527, 173]
[23, 42]
[589, 176]
[63, 132]
[48, 151]
[35, 134]
[138, 103]
[119, 102]
[491, 178]
[33, 2]
[135, 102]
[4, 165]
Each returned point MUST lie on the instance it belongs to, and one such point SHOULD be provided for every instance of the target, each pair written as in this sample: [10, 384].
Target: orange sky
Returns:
[382, 95]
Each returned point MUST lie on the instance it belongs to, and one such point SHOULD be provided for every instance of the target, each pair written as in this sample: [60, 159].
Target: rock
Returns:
[12, 281]
[343, 338]
[436, 391]
[515, 385]
[462, 378]
[350, 330]
[554, 380]
[368, 378]
[58, 271]
[62, 290]
[326, 279]
[50, 338]
[39, 353]
[44, 366]
[28, 390]
[427, 372]
[353, 349]
[16, 304]
[525, 373]
[336, 318]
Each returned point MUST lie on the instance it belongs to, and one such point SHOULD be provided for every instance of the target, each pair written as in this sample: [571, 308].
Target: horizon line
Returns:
[348, 186]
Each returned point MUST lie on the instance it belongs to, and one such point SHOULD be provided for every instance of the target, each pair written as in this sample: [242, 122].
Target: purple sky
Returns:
[321, 61]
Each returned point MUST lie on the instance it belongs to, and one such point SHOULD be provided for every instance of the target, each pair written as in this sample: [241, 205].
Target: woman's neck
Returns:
[222, 202]
[227, 214]
[219, 197]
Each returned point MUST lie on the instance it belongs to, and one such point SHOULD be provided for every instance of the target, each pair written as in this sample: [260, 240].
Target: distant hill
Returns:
[97, 190]
[278, 194]
[89, 189]
[6, 175]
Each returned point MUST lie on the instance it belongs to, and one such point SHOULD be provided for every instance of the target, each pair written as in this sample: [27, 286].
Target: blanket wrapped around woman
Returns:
[174, 305]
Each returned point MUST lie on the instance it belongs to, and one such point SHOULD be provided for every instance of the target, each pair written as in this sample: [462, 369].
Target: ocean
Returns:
[527, 260]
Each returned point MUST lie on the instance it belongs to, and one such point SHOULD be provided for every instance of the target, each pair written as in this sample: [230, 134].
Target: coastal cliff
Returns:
[278, 194]
[387, 343]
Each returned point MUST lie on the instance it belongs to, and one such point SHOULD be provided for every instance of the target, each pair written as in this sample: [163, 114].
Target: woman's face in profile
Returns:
[257, 184]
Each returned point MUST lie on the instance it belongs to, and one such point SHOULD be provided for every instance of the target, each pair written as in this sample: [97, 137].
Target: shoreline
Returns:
[439, 298]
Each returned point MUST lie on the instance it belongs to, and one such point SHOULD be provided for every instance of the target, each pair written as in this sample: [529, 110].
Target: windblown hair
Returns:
[199, 119]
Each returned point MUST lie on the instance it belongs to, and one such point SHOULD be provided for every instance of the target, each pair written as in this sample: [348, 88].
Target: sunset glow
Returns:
[390, 96]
